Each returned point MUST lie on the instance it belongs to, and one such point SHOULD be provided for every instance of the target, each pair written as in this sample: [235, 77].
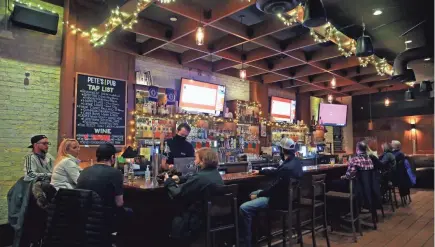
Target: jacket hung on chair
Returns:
[400, 175]
[190, 196]
[78, 218]
[277, 191]
[18, 201]
[368, 189]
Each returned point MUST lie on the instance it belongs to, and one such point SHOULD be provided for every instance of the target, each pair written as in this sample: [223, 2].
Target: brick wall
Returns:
[168, 75]
[26, 110]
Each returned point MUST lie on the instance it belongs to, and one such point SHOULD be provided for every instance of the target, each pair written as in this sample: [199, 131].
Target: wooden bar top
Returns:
[139, 183]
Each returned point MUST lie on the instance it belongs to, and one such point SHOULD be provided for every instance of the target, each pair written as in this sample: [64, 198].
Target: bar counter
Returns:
[154, 210]
[230, 178]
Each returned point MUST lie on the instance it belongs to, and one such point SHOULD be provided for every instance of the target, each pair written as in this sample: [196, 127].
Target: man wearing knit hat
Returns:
[39, 163]
[275, 195]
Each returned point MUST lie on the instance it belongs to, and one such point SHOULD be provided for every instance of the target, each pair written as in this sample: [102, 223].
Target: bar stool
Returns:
[317, 200]
[294, 200]
[354, 206]
[221, 213]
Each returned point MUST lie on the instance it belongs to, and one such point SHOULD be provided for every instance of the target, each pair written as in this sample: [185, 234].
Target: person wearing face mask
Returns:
[177, 147]
[191, 194]
[66, 166]
[275, 195]
[38, 164]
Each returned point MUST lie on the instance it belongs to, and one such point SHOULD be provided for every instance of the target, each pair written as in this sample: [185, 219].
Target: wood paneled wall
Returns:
[80, 57]
[399, 128]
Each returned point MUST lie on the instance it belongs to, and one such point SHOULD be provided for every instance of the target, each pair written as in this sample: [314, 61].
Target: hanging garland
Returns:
[331, 33]
[117, 19]
[288, 20]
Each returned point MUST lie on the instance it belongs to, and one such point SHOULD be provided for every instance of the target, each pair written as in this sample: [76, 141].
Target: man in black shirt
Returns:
[102, 178]
[178, 147]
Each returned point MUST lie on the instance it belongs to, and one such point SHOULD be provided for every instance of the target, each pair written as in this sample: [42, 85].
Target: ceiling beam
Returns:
[191, 55]
[270, 78]
[223, 65]
[150, 45]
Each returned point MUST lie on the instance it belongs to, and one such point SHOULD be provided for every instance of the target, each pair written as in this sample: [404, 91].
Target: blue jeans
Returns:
[247, 211]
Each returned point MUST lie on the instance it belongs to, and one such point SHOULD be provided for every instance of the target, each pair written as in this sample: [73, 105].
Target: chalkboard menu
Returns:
[100, 115]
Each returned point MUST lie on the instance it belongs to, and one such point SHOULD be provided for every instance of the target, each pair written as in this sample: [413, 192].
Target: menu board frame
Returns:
[125, 106]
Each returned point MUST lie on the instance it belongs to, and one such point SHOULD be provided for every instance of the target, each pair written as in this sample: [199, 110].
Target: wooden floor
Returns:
[410, 226]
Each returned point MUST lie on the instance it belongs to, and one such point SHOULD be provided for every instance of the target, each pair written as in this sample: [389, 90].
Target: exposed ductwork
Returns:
[401, 72]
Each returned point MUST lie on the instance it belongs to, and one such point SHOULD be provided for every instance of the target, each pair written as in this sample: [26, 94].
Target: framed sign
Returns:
[100, 110]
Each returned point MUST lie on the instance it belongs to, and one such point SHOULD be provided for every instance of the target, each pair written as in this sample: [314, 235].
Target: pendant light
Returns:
[364, 45]
[330, 98]
[409, 95]
[314, 14]
[370, 127]
[387, 102]
[333, 82]
[242, 71]
[200, 32]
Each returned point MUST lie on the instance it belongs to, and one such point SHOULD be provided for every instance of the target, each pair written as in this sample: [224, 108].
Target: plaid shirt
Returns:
[359, 162]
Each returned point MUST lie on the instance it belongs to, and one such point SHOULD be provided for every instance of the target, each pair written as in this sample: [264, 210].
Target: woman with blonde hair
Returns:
[66, 169]
[192, 194]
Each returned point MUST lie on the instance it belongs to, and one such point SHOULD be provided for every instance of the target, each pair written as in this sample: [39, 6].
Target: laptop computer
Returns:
[186, 166]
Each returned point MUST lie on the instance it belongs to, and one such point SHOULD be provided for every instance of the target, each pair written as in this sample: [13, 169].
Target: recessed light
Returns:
[408, 41]
[377, 12]
[173, 18]
[427, 59]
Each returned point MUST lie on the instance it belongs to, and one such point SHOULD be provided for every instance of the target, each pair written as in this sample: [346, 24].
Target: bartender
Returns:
[176, 147]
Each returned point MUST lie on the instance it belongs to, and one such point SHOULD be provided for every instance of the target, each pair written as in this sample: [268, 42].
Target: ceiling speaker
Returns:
[314, 14]
[364, 46]
[276, 6]
[34, 19]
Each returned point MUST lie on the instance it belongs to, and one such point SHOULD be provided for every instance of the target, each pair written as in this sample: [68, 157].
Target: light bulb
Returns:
[333, 82]
[387, 102]
[330, 98]
[200, 36]
[242, 74]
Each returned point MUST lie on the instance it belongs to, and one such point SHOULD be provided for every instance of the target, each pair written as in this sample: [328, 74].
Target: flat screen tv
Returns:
[332, 114]
[197, 96]
[282, 110]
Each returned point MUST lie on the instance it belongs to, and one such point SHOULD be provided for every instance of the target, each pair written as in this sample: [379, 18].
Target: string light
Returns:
[288, 20]
[331, 33]
[117, 19]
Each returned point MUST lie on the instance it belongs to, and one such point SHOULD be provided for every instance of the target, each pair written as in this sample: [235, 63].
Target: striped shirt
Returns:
[359, 162]
[35, 167]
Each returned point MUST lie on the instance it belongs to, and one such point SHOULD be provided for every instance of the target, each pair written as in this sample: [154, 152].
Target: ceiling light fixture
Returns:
[408, 42]
[377, 12]
[242, 71]
[173, 18]
[364, 45]
[330, 98]
[333, 82]
[387, 102]
[427, 59]
[200, 32]
[314, 14]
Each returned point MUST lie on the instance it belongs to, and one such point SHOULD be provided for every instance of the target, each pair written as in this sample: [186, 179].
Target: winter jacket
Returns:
[278, 189]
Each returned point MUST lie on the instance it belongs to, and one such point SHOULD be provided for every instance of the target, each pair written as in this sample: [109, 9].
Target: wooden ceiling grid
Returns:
[283, 62]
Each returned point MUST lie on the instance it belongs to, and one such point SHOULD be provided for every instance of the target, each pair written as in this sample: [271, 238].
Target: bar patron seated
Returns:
[165, 144]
